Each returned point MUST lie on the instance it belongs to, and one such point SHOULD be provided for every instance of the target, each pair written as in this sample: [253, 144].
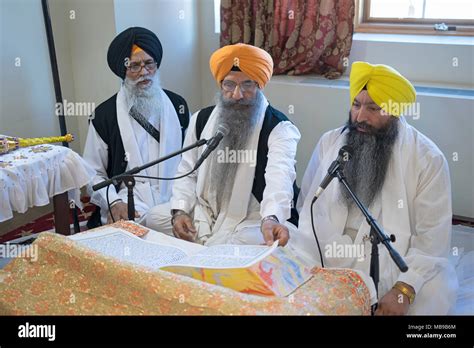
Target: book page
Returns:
[125, 246]
[160, 238]
[227, 256]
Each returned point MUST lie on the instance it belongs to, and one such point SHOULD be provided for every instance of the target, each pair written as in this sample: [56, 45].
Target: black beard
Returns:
[372, 151]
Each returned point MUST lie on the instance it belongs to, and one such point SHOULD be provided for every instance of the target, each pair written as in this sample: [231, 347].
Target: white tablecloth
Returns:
[31, 176]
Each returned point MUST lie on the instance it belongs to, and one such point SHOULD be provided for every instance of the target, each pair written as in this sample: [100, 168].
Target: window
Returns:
[436, 17]
[217, 16]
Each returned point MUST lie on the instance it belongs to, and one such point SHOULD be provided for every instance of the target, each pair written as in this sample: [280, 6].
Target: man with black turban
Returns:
[140, 123]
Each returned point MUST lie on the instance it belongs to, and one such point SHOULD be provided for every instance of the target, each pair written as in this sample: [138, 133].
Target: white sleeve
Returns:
[184, 190]
[96, 154]
[309, 174]
[430, 242]
[280, 172]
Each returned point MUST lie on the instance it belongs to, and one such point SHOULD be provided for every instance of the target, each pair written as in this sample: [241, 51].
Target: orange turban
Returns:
[251, 60]
[136, 49]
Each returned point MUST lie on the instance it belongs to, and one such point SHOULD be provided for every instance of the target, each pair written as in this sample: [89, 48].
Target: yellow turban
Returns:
[386, 86]
[251, 60]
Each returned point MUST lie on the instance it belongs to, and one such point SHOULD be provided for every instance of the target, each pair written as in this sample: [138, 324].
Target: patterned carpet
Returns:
[46, 222]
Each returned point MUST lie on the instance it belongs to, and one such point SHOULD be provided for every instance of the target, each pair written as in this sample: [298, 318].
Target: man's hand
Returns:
[183, 228]
[120, 212]
[273, 230]
[393, 302]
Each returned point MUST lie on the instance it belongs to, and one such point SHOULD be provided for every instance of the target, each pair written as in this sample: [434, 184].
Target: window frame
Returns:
[364, 24]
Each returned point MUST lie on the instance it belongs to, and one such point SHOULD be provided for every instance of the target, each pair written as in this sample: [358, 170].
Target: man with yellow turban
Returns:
[403, 179]
[137, 125]
[245, 191]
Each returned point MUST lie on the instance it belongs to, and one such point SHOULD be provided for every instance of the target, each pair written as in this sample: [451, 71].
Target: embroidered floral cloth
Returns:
[64, 278]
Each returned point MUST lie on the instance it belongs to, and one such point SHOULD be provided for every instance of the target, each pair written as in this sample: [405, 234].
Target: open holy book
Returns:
[253, 269]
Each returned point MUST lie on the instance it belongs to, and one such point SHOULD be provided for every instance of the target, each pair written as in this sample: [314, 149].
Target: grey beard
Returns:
[366, 170]
[147, 101]
[240, 117]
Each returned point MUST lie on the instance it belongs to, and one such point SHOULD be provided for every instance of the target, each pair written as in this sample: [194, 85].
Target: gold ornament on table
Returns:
[8, 143]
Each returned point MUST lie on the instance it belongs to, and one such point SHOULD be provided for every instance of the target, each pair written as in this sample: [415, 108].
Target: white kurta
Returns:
[244, 213]
[414, 205]
[140, 148]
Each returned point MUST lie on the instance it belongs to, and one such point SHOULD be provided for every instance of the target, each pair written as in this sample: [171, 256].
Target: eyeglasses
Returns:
[245, 86]
[136, 67]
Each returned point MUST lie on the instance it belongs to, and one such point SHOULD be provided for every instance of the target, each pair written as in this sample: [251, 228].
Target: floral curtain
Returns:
[302, 36]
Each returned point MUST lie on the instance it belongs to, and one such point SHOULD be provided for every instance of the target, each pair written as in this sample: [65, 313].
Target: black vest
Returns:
[271, 119]
[106, 125]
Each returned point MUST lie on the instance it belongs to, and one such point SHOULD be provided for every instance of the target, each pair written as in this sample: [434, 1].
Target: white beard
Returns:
[147, 101]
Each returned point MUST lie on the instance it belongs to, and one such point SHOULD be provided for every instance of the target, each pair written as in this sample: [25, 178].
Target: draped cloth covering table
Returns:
[31, 176]
[65, 278]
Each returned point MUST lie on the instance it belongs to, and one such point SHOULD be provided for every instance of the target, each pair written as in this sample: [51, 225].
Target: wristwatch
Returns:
[270, 217]
[175, 213]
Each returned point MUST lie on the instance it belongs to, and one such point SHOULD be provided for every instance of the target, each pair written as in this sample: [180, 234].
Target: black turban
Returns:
[121, 48]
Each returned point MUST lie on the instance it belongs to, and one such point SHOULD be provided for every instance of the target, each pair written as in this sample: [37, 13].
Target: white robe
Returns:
[140, 148]
[414, 205]
[244, 213]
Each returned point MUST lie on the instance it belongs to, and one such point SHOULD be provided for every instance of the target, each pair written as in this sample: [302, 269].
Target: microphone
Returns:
[212, 143]
[345, 154]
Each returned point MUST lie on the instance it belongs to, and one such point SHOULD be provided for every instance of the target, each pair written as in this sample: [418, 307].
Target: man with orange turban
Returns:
[403, 179]
[139, 124]
[244, 192]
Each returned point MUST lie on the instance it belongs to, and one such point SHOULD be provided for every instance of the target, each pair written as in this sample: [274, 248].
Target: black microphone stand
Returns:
[377, 236]
[129, 180]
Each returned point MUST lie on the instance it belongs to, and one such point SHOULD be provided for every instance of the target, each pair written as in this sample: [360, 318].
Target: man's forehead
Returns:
[237, 76]
[364, 98]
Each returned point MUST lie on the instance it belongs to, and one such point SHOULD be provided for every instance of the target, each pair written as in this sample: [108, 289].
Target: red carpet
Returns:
[46, 222]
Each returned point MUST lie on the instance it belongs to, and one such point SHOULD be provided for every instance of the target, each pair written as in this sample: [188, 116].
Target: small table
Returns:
[31, 176]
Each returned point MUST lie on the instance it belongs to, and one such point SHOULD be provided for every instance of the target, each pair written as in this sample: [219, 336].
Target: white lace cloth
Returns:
[30, 176]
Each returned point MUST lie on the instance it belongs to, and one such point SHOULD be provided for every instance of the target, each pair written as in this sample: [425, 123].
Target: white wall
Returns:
[26, 92]
[208, 42]
[449, 122]
[423, 59]
[83, 53]
[60, 23]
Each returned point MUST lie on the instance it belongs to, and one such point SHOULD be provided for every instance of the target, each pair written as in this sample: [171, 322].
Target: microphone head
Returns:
[345, 153]
[223, 130]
